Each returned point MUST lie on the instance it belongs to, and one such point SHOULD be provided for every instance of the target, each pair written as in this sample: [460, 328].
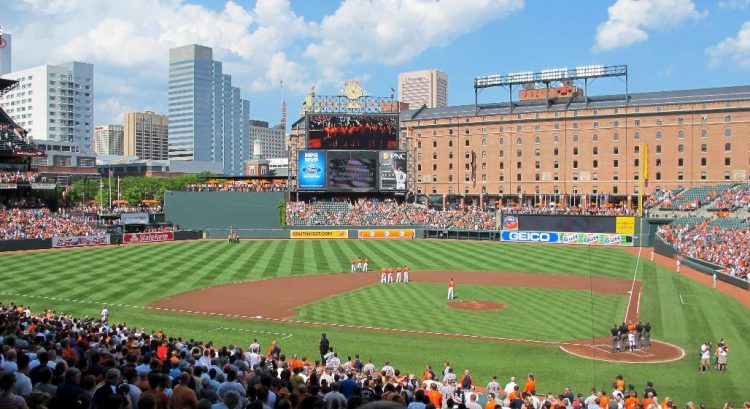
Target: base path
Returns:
[477, 305]
[289, 293]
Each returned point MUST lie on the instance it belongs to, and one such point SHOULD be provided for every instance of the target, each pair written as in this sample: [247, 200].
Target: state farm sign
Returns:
[147, 237]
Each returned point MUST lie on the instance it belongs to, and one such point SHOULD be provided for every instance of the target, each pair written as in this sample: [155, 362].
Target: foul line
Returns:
[632, 286]
[257, 331]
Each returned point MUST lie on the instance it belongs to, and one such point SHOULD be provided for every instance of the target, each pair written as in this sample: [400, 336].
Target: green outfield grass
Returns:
[131, 277]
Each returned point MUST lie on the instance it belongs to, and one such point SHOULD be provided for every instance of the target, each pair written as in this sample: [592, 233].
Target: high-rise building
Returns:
[54, 102]
[208, 119]
[5, 54]
[108, 140]
[146, 135]
[273, 140]
[426, 87]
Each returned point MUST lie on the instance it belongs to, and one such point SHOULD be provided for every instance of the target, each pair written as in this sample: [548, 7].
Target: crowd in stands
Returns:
[236, 187]
[61, 362]
[734, 199]
[664, 198]
[386, 213]
[16, 224]
[23, 202]
[728, 247]
[161, 229]
[18, 176]
[570, 210]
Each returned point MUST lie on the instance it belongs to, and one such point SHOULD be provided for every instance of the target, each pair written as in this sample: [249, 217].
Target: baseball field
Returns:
[550, 307]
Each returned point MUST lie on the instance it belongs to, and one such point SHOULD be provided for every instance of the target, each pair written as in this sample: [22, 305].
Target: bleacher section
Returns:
[695, 197]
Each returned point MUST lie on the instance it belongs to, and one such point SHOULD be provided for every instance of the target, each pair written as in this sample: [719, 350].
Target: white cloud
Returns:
[128, 41]
[736, 49]
[393, 31]
[630, 20]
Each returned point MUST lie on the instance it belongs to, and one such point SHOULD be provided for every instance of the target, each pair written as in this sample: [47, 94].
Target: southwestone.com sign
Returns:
[319, 234]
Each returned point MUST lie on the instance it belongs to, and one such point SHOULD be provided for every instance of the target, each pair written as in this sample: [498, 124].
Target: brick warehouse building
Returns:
[694, 137]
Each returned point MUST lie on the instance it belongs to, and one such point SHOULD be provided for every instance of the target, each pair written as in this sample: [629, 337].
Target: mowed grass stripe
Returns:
[245, 261]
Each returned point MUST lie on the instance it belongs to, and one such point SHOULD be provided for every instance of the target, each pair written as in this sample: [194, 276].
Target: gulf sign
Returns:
[386, 234]
[529, 236]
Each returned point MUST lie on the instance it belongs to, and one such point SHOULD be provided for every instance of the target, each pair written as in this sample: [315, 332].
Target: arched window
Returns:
[537, 140]
[595, 138]
[450, 143]
[727, 132]
[596, 150]
[658, 135]
[555, 152]
[518, 141]
[575, 137]
[704, 133]
[466, 143]
[616, 136]
[575, 151]
[727, 147]
[502, 141]
[556, 139]
[680, 134]
[484, 142]
[637, 135]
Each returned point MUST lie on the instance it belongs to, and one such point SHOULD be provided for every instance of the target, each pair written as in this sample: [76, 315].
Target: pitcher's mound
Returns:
[477, 305]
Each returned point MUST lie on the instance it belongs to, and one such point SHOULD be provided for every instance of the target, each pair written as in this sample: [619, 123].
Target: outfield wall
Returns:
[223, 210]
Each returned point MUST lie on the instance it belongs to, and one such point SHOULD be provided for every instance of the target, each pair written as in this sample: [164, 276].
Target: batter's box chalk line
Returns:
[685, 299]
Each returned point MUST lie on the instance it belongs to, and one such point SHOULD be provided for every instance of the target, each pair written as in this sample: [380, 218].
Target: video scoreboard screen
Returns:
[351, 170]
[352, 132]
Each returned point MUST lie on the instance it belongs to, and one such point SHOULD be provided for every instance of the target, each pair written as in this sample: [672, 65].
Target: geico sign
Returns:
[529, 236]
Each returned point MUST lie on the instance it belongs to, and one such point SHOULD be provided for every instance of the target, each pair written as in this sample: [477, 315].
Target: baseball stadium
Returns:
[546, 243]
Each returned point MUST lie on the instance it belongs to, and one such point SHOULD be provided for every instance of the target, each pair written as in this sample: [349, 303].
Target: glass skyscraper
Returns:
[208, 120]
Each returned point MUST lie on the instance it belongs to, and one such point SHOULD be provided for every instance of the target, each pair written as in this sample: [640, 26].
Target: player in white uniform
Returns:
[398, 274]
[390, 275]
[383, 276]
[365, 265]
[359, 264]
[406, 274]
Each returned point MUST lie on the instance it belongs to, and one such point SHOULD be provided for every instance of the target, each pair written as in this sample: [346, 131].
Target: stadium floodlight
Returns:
[488, 81]
[554, 74]
[521, 77]
[586, 71]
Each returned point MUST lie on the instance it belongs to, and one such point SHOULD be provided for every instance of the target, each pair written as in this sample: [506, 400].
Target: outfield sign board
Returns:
[6, 186]
[319, 234]
[128, 238]
[386, 234]
[311, 170]
[79, 241]
[625, 225]
[595, 239]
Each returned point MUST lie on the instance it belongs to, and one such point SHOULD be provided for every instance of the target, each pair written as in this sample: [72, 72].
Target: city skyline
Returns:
[667, 44]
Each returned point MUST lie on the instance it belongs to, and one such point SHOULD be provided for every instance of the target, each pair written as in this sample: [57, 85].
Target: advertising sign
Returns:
[134, 218]
[625, 225]
[7, 185]
[352, 171]
[147, 237]
[79, 241]
[386, 234]
[529, 236]
[47, 186]
[32, 153]
[392, 170]
[510, 222]
[311, 170]
[319, 234]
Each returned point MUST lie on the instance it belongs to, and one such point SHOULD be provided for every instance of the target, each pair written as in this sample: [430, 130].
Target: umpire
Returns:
[615, 338]
[624, 337]
[323, 347]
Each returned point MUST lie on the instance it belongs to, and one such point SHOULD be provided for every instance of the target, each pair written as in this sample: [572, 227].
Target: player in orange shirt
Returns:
[619, 383]
[436, 398]
[631, 401]
[451, 284]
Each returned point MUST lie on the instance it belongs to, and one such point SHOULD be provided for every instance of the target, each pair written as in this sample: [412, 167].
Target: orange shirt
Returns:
[647, 402]
[435, 398]
[631, 403]
[620, 384]
[490, 404]
[603, 401]
[451, 284]
[530, 386]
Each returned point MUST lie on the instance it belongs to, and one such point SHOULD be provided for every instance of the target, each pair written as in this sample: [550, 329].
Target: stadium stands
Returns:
[236, 187]
[18, 224]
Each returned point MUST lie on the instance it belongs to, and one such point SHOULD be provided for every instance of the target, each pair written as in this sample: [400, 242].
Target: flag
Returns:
[110, 172]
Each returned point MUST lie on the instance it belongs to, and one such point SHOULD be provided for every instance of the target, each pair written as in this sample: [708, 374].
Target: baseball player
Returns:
[679, 264]
[365, 265]
[398, 274]
[359, 264]
[652, 254]
[354, 265]
[451, 284]
[406, 274]
[105, 313]
[390, 275]
[383, 275]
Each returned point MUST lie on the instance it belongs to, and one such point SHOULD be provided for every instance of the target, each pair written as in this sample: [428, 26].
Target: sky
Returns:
[666, 44]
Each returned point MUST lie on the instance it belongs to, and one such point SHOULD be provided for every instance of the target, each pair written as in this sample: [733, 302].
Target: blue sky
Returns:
[667, 44]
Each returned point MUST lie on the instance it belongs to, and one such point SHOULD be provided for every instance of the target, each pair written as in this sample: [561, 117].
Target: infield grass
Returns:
[131, 277]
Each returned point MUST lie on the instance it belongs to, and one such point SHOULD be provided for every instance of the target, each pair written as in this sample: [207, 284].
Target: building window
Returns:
[637, 122]
[680, 148]
[658, 120]
[502, 165]
[519, 165]
[616, 163]
[537, 140]
[636, 176]
[537, 152]
[637, 136]
[680, 176]
[658, 162]
[450, 143]
[575, 138]
[680, 162]
[727, 118]
[555, 152]
[575, 125]
[434, 144]
[575, 164]
[615, 176]
[704, 133]
[680, 121]
[636, 162]
[726, 175]
[680, 134]
[616, 136]
[502, 153]
[727, 132]
[575, 151]
[556, 164]
[727, 161]
[658, 175]
[595, 164]
[484, 141]
[502, 141]
[596, 150]
[575, 176]
[537, 165]
[703, 175]
[518, 141]
[466, 131]
[616, 150]
[636, 149]
[704, 119]
[595, 138]
[658, 135]
[596, 123]
[704, 147]
[727, 147]
[704, 161]
[518, 178]
[466, 142]
[556, 139]
[519, 153]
